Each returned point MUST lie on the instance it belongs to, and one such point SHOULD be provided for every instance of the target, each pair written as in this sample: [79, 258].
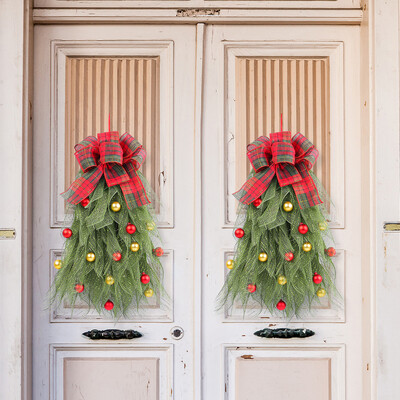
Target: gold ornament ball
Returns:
[90, 257]
[149, 292]
[287, 206]
[321, 292]
[322, 226]
[57, 264]
[115, 206]
[110, 280]
[150, 226]
[263, 257]
[230, 264]
[282, 280]
[307, 246]
[135, 246]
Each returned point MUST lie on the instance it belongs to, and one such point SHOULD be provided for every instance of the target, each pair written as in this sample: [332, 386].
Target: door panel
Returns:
[311, 75]
[143, 76]
[149, 79]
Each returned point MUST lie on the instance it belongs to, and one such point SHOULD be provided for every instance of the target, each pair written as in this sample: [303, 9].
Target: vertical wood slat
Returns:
[296, 87]
[126, 88]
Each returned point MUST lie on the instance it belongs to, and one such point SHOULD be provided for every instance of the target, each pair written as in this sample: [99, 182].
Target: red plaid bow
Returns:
[118, 159]
[289, 159]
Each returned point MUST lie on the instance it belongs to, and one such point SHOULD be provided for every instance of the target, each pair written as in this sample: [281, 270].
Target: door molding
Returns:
[353, 16]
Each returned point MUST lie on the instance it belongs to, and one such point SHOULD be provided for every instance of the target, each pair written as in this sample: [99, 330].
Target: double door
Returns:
[195, 96]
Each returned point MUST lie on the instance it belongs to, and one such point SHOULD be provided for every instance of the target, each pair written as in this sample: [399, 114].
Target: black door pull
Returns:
[112, 334]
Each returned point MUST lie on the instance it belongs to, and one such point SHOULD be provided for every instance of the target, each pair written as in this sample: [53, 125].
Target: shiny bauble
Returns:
[257, 202]
[67, 233]
[145, 279]
[230, 264]
[85, 202]
[90, 257]
[317, 278]
[109, 305]
[57, 264]
[330, 251]
[307, 247]
[79, 288]
[115, 206]
[150, 226]
[158, 251]
[117, 256]
[321, 292]
[303, 229]
[131, 229]
[110, 280]
[322, 226]
[289, 256]
[251, 287]
[282, 280]
[135, 247]
[281, 305]
[239, 233]
[149, 292]
[263, 257]
[287, 206]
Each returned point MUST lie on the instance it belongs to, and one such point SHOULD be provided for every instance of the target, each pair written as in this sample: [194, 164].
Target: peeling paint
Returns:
[196, 12]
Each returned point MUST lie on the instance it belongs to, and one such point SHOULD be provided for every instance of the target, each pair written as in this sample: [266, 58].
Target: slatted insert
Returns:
[296, 87]
[126, 88]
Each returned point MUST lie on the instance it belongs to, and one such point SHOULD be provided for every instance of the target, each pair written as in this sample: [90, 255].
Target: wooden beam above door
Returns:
[179, 15]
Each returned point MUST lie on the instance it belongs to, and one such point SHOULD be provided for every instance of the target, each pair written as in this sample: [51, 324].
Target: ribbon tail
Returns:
[133, 190]
[255, 186]
[306, 191]
[83, 186]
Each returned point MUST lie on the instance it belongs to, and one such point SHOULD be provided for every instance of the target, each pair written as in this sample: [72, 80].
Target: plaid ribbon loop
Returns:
[289, 159]
[118, 159]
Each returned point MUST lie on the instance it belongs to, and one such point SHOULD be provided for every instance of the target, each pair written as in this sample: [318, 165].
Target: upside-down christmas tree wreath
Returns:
[281, 258]
[110, 261]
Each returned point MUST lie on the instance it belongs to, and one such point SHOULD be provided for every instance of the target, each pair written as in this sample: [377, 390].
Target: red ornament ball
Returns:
[317, 278]
[239, 233]
[85, 202]
[289, 256]
[79, 287]
[109, 305]
[281, 305]
[131, 229]
[158, 251]
[67, 233]
[145, 279]
[251, 287]
[117, 256]
[303, 229]
[330, 251]
[257, 202]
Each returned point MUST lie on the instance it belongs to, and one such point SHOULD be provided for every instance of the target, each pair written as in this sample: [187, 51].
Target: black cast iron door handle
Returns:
[112, 334]
[284, 333]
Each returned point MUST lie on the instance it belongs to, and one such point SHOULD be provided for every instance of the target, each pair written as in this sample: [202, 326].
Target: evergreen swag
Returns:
[125, 269]
[278, 262]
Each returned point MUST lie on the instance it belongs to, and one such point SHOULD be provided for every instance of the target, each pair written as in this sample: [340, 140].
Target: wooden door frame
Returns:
[16, 202]
[15, 334]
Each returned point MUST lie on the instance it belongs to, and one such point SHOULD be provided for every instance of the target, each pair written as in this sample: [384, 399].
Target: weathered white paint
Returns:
[13, 142]
[386, 47]
[193, 4]
[220, 132]
[146, 371]
[384, 108]
[175, 46]
[243, 15]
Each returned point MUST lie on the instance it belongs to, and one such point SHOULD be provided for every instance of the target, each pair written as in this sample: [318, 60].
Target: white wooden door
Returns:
[311, 75]
[196, 96]
[144, 76]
